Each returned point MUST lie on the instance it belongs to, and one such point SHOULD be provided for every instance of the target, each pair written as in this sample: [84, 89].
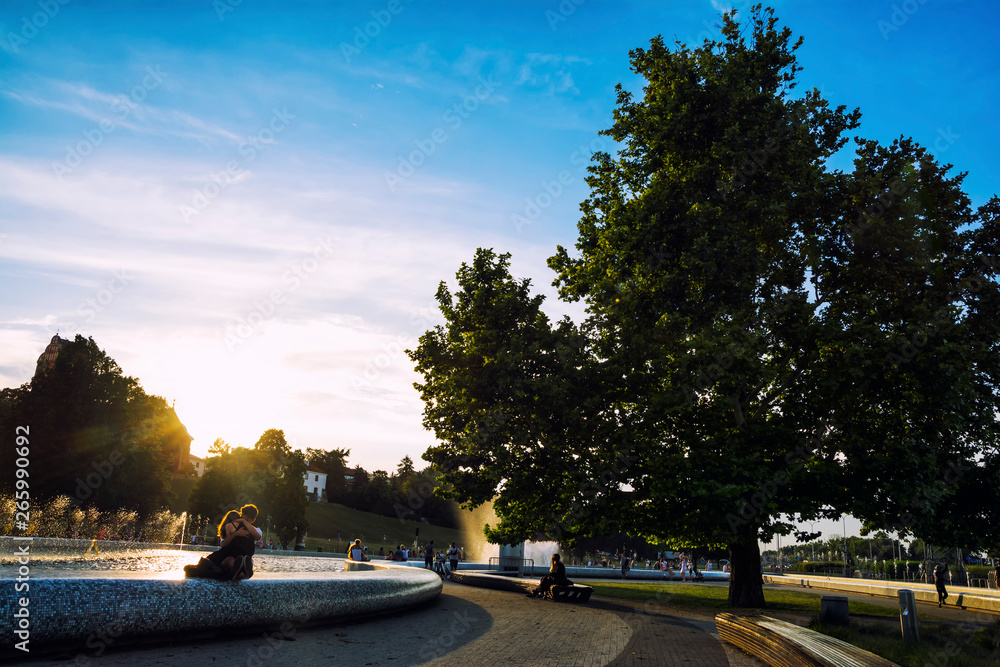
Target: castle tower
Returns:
[48, 358]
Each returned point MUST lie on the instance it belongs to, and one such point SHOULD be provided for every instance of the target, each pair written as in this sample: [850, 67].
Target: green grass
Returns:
[941, 644]
[715, 598]
[375, 531]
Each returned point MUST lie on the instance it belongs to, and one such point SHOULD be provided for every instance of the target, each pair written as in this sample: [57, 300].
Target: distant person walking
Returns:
[625, 565]
[940, 572]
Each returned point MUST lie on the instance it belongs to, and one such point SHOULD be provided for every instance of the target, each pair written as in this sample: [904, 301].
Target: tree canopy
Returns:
[767, 338]
[95, 434]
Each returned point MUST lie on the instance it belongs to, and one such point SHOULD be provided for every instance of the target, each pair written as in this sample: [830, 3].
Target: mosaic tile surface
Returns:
[70, 611]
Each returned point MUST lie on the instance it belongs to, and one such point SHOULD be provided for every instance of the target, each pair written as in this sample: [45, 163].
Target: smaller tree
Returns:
[285, 499]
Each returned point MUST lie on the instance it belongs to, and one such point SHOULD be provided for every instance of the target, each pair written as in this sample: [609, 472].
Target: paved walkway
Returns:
[464, 626]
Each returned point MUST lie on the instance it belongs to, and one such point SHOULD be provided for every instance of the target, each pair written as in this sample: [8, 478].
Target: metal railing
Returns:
[511, 564]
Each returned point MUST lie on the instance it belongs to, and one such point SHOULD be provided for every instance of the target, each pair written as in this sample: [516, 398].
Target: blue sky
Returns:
[250, 204]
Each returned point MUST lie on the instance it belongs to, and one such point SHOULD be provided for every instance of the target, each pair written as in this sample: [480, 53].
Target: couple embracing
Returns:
[234, 559]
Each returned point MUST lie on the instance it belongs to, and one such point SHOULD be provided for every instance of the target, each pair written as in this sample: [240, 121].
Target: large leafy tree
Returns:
[505, 393]
[95, 434]
[767, 339]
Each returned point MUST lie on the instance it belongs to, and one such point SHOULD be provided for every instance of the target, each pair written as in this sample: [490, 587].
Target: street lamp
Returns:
[844, 524]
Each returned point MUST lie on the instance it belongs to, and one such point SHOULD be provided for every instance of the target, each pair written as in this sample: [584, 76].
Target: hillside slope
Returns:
[375, 531]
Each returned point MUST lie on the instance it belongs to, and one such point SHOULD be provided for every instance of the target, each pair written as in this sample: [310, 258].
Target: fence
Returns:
[511, 564]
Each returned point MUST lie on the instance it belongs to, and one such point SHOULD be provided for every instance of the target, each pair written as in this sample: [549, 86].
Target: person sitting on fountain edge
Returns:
[234, 558]
[555, 577]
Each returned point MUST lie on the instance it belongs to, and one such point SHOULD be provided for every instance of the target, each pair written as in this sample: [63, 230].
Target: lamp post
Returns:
[813, 541]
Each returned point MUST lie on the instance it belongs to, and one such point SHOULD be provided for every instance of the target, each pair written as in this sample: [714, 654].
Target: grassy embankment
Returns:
[325, 519]
[874, 628]
[375, 531]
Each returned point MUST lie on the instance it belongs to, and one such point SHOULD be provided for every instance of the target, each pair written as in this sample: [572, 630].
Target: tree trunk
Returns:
[746, 587]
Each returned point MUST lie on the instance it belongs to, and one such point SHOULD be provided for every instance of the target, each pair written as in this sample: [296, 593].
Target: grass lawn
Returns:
[714, 598]
[375, 531]
[942, 644]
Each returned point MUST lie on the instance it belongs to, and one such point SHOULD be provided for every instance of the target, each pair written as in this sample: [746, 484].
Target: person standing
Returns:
[625, 564]
[940, 572]
[684, 566]
[453, 554]
[429, 555]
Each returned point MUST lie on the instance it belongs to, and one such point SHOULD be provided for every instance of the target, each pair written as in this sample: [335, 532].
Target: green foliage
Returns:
[269, 476]
[94, 433]
[502, 393]
[736, 368]
[285, 498]
[334, 464]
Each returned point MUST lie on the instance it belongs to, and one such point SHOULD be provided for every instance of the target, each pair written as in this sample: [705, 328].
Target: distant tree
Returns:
[380, 495]
[272, 445]
[285, 499]
[231, 480]
[218, 447]
[357, 496]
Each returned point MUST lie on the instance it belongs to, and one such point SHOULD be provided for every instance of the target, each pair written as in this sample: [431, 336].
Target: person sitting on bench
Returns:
[555, 577]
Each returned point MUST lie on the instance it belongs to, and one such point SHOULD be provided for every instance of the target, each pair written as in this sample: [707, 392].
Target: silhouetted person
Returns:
[939, 574]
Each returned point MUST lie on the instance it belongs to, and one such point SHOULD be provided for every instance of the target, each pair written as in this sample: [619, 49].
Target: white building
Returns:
[315, 483]
[198, 463]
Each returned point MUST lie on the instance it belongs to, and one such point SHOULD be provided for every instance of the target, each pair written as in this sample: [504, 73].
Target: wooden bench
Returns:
[782, 644]
[574, 593]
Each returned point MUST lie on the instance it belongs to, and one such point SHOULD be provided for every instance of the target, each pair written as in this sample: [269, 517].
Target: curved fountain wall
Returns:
[99, 609]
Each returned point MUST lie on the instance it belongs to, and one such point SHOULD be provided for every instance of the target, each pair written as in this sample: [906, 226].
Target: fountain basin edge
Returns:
[93, 613]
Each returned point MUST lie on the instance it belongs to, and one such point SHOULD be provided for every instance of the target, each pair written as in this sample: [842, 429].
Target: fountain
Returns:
[75, 594]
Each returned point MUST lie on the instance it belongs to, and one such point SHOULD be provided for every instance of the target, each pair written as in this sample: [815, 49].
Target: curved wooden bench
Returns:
[782, 644]
[574, 593]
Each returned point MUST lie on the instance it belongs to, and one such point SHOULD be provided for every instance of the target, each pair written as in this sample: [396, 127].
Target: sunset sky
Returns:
[249, 204]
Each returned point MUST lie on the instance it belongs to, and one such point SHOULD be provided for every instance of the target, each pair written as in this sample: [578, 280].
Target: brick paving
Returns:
[464, 626]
